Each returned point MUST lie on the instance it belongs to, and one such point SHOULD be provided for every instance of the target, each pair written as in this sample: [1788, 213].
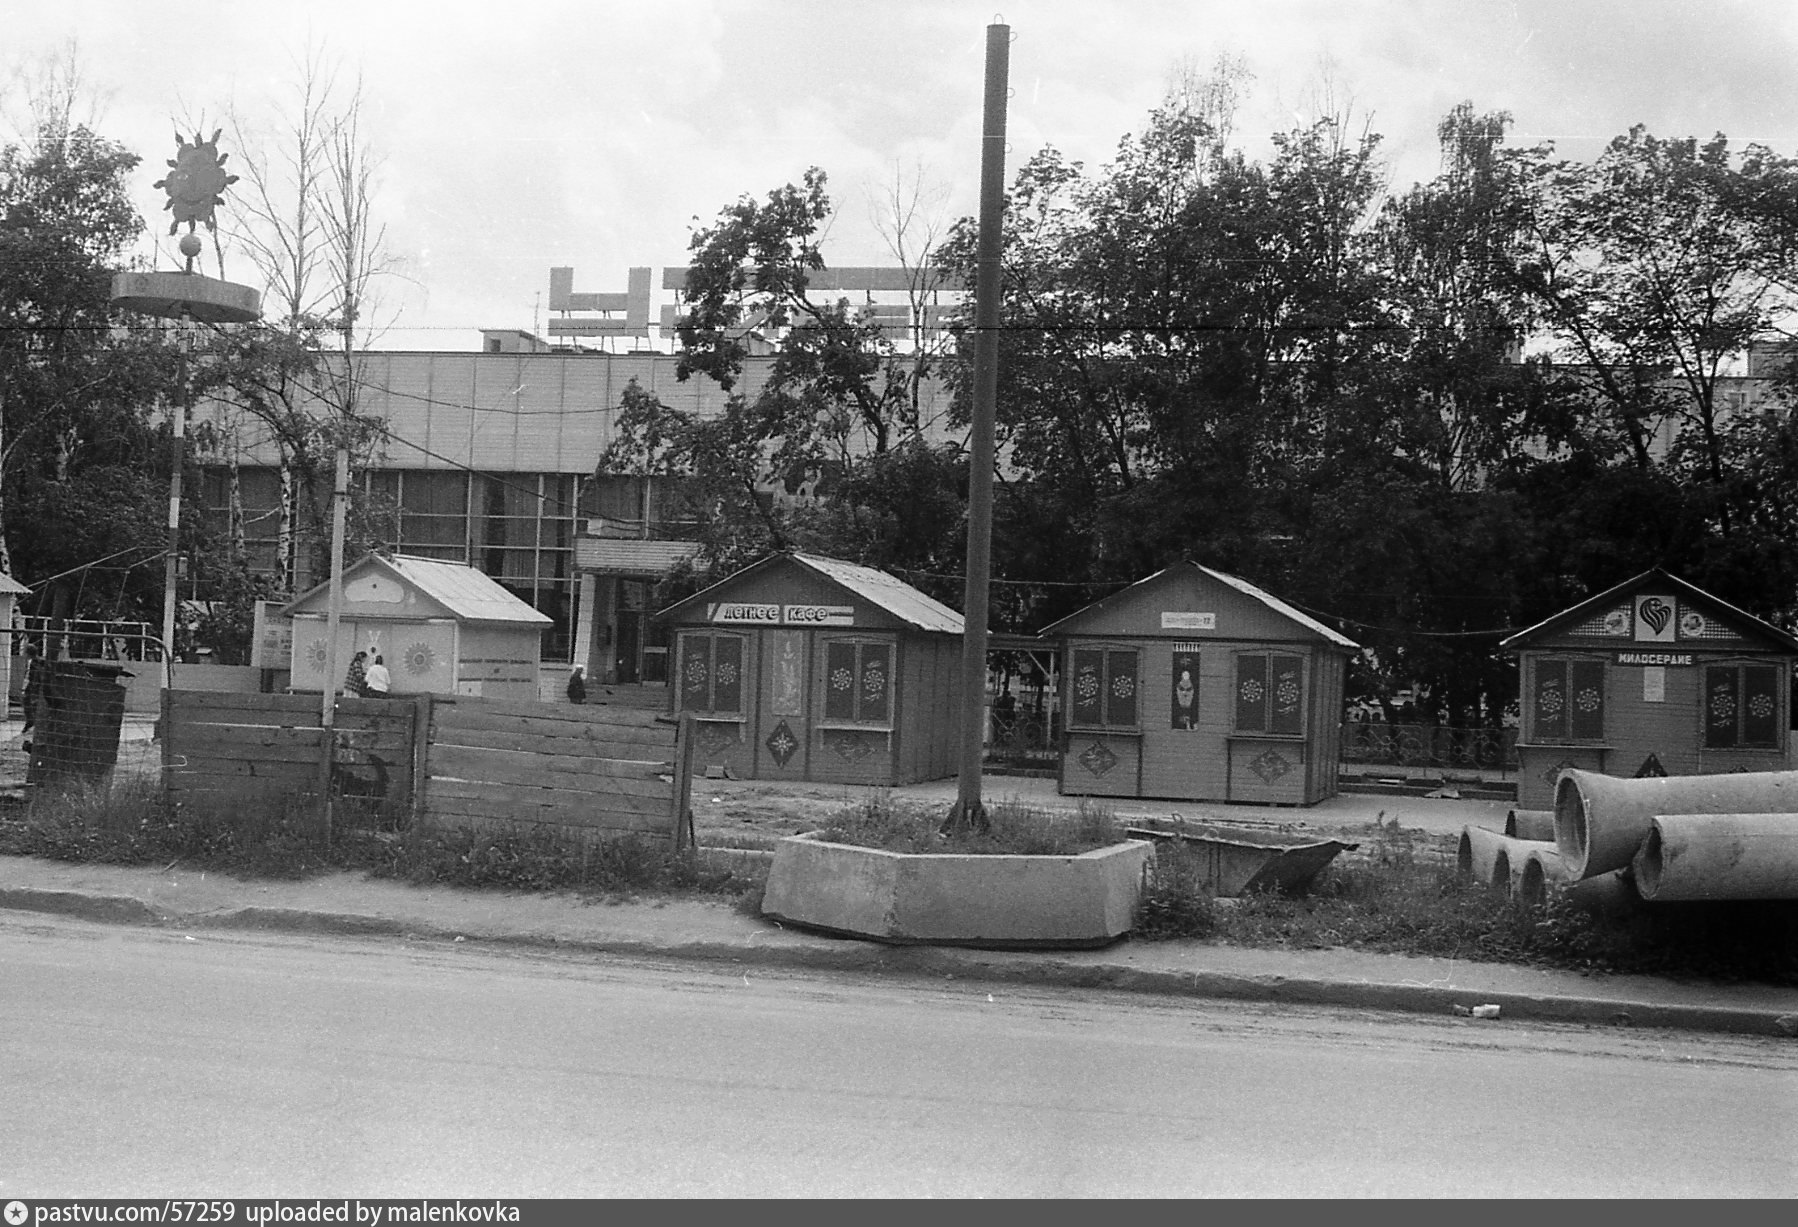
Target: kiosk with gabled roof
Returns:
[1196, 685]
[1651, 677]
[443, 628]
[800, 667]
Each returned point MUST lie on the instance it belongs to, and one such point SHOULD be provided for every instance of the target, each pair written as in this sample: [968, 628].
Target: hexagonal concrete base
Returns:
[955, 899]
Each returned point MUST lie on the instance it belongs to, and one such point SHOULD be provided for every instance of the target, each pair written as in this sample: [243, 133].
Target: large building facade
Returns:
[491, 459]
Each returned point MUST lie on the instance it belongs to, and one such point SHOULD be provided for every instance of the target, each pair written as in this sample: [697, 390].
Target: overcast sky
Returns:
[523, 135]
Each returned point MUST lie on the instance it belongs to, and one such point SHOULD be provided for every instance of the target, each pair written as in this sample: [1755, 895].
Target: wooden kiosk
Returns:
[443, 627]
[808, 668]
[1651, 677]
[1196, 685]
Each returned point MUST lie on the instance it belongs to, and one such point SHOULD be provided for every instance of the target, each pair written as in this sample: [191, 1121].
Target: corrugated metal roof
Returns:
[464, 591]
[629, 556]
[1280, 607]
[11, 586]
[1241, 585]
[889, 592]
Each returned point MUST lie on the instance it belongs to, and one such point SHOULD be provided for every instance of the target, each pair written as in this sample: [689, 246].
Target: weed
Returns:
[1012, 829]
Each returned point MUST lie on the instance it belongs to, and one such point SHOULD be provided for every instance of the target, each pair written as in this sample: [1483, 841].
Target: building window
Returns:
[1741, 707]
[1270, 694]
[1103, 683]
[1567, 703]
[711, 673]
[858, 682]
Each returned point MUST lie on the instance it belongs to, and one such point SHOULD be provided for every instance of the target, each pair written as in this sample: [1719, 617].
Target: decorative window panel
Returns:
[858, 681]
[1741, 707]
[1549, 702]
[1103, 688]
[711, 673]
[1120, 689]
[1585, 700]
[1251, 694]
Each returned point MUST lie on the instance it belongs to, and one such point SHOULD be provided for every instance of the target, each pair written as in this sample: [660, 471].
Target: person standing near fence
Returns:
[355, 685]
[377, 682]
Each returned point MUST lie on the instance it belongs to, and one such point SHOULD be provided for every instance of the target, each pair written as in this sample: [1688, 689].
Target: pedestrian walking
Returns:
[377, 682]
[577, 686]
[356, 684]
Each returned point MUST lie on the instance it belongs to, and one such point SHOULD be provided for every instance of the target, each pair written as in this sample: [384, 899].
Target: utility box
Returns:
[1651, 677]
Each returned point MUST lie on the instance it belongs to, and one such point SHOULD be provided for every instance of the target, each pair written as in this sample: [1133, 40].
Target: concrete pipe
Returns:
[1601, 820]
[1719, 856]
[1542, 870]
[1531, 824]
[1478, 849]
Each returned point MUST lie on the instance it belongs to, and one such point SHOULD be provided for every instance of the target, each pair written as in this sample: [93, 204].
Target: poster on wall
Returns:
[788, 649]
[1185, 714]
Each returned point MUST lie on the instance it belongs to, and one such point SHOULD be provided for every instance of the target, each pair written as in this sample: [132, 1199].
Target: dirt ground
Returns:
[756, 814]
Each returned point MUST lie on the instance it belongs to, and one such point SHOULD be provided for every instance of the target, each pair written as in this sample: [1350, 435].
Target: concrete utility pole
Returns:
[968, 809]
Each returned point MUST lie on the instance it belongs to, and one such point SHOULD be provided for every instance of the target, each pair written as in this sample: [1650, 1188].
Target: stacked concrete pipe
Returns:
[1719, 856]
[1601, 820]
[1497, 860]
[1531, 824]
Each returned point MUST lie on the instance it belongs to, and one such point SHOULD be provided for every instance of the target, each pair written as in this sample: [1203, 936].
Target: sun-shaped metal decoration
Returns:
[195, 182]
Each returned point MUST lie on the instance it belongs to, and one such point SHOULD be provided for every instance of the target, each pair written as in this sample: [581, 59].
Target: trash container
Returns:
[80, 710]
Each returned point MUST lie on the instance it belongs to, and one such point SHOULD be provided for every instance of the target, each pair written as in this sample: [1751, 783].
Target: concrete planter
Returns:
[956, 899]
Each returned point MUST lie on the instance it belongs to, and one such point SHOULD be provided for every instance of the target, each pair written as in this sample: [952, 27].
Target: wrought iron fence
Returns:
[1429, 747]
[1022, 739]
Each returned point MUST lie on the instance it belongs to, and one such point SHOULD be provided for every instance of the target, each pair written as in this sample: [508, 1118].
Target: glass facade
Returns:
[516, 527]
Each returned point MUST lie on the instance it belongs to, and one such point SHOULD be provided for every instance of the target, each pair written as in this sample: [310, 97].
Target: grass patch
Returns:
[1012, 829]
[131, 823]
[1397, 904]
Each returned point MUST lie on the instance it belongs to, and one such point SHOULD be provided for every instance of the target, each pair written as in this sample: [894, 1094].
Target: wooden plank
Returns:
[192, 764]
[476, 763]
[246, 735]
[682, 808]
[199, 747]
[604, 789]
[548, 725]
[212, 701]
[543, 800]
[516, 735]
[452, 814]
[595, 713]
[421, 744]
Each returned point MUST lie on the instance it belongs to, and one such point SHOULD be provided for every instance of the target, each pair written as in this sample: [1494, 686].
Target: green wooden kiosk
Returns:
[1651, 677]
[801, 667]
[1196, 685]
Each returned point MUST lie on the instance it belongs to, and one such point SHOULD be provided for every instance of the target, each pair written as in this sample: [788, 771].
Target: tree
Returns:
[77, 381]
[309, 226]
[835, 423]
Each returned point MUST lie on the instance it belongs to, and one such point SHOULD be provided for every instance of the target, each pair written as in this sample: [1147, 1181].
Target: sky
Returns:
[514, 137]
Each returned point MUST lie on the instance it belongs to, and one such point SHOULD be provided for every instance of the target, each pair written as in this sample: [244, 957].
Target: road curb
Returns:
[945, 961]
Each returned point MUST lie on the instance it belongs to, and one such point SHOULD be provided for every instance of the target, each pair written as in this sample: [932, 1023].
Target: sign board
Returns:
[1184, 620]
[1656, 659]
[743, 614]
[271, 640]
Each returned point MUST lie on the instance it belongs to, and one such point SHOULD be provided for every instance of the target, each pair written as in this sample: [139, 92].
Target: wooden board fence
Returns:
[597, 769]
[442, 761]
[259, 747]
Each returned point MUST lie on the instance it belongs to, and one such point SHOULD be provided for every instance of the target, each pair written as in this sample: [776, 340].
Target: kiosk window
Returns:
[1568, 700]
[1270, 694]
[1741, 707]
[858, 681]
[1103, 685]
[711, 673]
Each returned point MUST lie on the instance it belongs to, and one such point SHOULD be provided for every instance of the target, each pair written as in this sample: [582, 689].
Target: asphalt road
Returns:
[146, 1063]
